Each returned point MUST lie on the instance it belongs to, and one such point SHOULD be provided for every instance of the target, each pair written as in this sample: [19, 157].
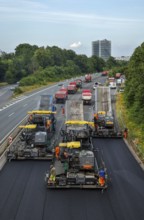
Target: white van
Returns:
[112, 85]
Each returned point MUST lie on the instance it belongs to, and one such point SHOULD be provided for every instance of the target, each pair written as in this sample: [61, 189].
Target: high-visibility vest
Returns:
[57, 151]
[52, 178]
[101, 181]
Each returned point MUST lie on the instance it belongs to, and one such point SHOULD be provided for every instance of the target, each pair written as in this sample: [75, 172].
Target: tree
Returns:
[135, 84]
[111, 62]
[3, 68]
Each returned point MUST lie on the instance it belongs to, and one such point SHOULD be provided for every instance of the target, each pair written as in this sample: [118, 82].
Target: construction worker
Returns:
[101, 179]
[57, 152]
[65, 153]
[48, 123]
[53, 108]
[63, 110]
[30, 118]
[66, 166]
[52, 174]
[125, 133]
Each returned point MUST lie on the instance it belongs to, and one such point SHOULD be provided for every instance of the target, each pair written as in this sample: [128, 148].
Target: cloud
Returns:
[76, 44]
[36, 11]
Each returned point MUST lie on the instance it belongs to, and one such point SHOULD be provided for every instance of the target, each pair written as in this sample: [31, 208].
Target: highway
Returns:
[23, 193]
[15, 110]
[5, 94]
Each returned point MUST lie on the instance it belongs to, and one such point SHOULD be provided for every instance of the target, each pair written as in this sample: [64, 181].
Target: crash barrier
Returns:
[8, 141]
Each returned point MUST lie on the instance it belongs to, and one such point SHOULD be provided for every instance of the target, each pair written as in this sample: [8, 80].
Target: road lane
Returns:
[6, 94]
[20, 110]
[27, 103]
[24, 194]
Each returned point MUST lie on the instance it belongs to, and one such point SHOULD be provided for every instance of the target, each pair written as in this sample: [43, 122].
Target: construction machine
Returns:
[104, 120]
[75, 127]
[78, 166]
[35, 140]
[105, 126]
[46, 102]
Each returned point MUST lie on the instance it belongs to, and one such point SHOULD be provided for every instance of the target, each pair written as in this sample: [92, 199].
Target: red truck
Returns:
[79, 83]
[64, 89]
[105, 73]
[87, 96]
[61, 96]
[71, 89]
[117, 75]
[88, 78]
[73, 83]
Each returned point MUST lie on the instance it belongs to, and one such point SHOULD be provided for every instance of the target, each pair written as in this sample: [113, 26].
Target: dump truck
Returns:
[87, 96]
[73, 83]
[77, 166]
[36, 138]
[105, 73]
[79, 83]
[112, 85]
[61, 96]
[65, 89]
[88, 78]
[72, 89]
[117, 75]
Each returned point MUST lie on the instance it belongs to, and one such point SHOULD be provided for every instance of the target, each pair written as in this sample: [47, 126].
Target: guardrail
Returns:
[5, 142]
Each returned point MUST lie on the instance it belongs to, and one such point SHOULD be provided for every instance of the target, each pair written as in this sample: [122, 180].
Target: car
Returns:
[12, 88]
[60, 84]
[112, 85]
[96, 84]
[121, 89]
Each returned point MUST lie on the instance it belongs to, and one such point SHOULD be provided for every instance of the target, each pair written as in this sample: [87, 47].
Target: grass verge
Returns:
[25, 89]
[3, 84]
[135, 132]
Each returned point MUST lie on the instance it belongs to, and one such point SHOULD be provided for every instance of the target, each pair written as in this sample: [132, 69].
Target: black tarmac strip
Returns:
[24, 195]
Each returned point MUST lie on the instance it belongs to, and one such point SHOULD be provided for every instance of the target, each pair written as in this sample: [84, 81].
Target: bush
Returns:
[18, 91]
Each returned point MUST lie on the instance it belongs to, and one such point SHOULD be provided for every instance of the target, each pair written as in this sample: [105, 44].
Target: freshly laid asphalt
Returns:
[24, 196]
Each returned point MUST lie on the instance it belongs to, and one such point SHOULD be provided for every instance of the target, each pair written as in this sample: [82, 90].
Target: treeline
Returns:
[31, 64]
[134, 90]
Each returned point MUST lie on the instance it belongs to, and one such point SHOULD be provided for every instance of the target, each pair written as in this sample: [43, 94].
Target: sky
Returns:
[72, 24]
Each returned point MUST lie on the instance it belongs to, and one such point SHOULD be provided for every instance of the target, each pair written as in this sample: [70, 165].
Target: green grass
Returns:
[135, 132]
[24, 89]
[3, 84]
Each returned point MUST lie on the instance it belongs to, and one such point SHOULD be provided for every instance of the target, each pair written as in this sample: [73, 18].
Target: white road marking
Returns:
[11, 114]
[25, 105]
[22, 97]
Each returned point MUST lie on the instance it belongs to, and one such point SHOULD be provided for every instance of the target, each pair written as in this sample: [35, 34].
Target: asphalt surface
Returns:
[12, 112]
[23, 193]
[5, 94]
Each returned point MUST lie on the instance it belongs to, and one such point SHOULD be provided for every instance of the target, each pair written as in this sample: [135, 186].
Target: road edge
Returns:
[134, 154]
